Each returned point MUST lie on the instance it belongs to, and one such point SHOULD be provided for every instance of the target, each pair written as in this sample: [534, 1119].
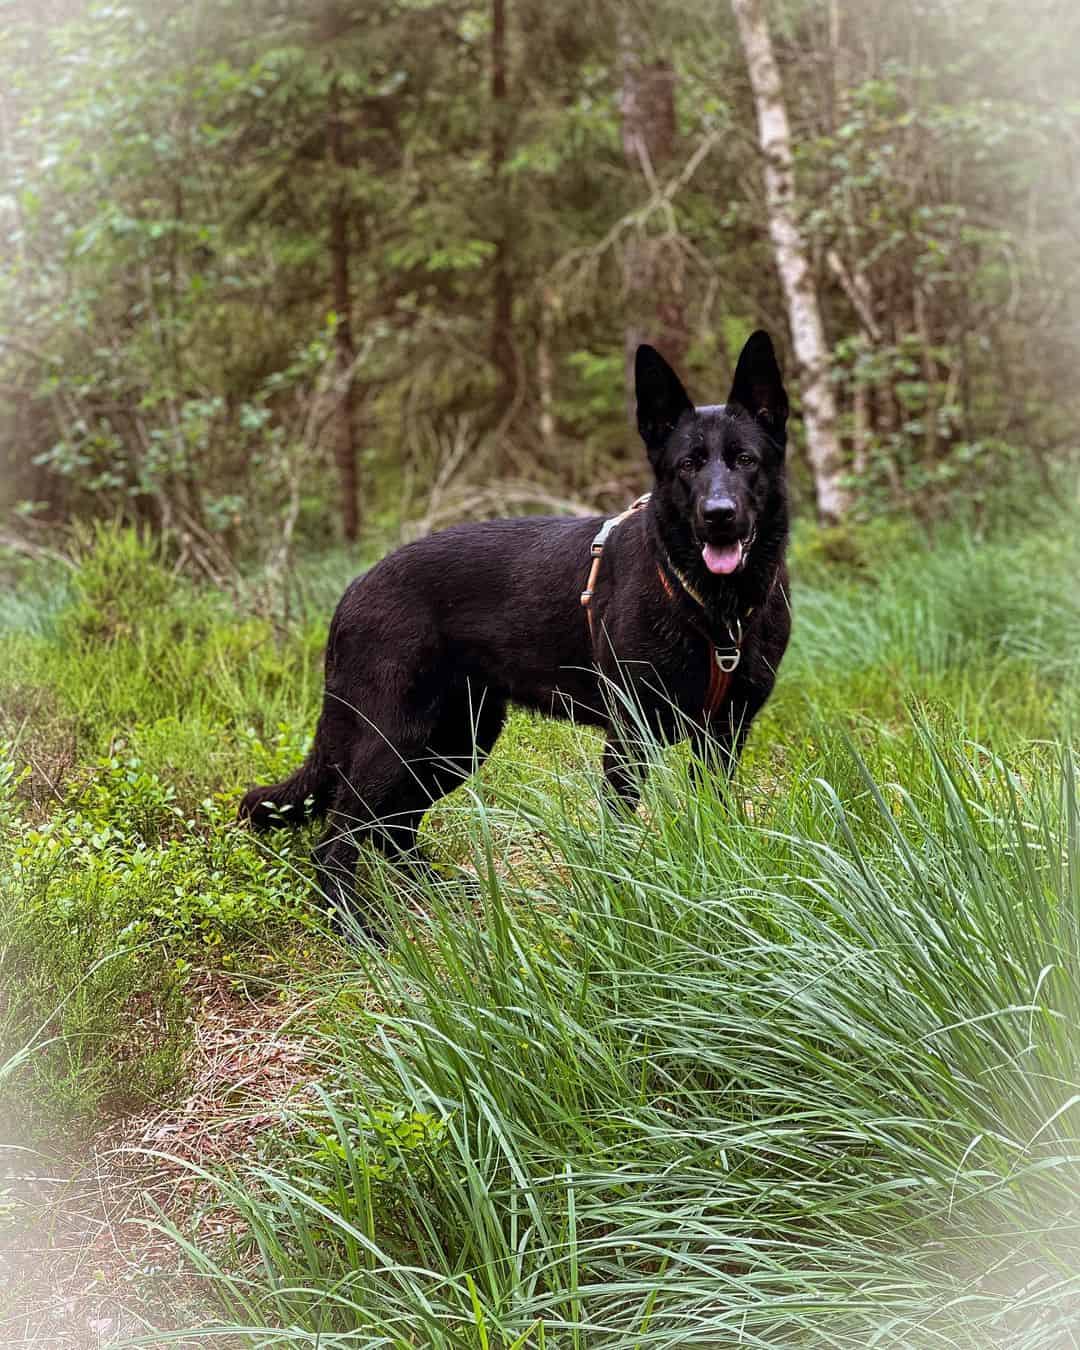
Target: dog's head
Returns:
[716, 467]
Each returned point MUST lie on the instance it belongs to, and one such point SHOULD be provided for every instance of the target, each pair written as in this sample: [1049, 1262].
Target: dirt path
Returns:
[81, 1268]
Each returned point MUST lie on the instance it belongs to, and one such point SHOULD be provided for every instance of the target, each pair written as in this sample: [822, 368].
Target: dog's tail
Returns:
[303, 796]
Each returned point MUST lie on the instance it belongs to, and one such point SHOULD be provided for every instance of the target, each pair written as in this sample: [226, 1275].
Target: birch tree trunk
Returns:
[789, 248]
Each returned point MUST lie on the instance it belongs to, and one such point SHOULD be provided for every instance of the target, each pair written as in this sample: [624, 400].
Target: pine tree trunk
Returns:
[502, 322]
[341, 298]
[652, 270]
[789, 248]
[545, 369]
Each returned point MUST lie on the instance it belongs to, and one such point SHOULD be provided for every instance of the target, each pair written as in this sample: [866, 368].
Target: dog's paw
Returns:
[259, 813]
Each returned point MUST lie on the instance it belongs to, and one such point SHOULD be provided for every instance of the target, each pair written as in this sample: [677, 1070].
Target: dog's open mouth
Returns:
[723, 559]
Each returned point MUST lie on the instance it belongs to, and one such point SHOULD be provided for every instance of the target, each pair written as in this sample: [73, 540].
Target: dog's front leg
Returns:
[713, 750]
[718, 744]
[622, 774]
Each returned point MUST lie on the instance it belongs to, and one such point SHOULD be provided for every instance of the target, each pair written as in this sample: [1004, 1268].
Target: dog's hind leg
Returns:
[380, 799]
[384, 795]
[336, 856]
[468, 729]
[462, 740]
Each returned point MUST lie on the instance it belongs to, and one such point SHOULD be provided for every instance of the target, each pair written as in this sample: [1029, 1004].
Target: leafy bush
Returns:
[126, 854]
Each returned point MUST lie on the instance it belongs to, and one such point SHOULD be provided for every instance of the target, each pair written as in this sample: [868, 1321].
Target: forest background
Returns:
[276, 268]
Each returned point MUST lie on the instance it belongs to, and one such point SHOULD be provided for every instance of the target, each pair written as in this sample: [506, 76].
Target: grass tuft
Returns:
[714, 1080]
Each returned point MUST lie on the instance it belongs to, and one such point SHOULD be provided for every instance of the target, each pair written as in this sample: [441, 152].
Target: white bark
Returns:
[545, 369]
[789, 249]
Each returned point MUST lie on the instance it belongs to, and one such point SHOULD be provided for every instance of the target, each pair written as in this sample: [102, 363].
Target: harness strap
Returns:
[723, 662]
[597, 552]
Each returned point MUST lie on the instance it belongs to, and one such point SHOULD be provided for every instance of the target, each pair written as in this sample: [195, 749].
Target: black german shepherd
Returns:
[686, 612]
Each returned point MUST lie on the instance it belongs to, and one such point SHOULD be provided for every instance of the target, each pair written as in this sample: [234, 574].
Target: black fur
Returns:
[428, 648]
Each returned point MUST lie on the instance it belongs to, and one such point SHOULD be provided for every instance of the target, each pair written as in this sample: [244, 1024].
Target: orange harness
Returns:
[597, 552]
[723, 662]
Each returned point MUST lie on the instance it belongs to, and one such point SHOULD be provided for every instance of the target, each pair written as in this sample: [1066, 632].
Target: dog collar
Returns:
[684, 582]
[727, 658]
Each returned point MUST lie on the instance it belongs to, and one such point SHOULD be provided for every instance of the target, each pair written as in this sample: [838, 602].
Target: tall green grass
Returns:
[794, 1064]
[806, 1074]
[797, 1065]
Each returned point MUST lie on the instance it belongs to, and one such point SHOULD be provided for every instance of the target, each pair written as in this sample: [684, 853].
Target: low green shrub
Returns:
[106, 907]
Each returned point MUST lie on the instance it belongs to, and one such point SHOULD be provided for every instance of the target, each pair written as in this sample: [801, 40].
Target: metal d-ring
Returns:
[728, 661]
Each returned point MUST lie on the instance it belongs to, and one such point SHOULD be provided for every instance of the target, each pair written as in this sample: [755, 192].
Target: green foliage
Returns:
[124, 852]
[168, 289]
[122, 578]
[853, 551]
[121, 866]
[107, 904]
[939, 268]
[88, 1021]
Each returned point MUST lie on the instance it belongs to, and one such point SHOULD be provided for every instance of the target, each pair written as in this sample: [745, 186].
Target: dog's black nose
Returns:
[718, 511]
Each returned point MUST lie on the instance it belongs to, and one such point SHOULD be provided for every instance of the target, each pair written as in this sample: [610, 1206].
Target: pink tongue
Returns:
[722, 560]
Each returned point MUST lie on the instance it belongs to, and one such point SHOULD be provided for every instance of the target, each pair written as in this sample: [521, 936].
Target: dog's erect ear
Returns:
[661, 399]
[758, 388]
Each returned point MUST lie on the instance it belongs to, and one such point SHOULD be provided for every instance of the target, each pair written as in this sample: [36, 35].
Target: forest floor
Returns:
[192, 1068]
[85, 1266]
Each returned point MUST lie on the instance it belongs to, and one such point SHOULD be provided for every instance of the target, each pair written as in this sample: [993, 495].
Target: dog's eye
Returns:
[745, 461]
[688, 464]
